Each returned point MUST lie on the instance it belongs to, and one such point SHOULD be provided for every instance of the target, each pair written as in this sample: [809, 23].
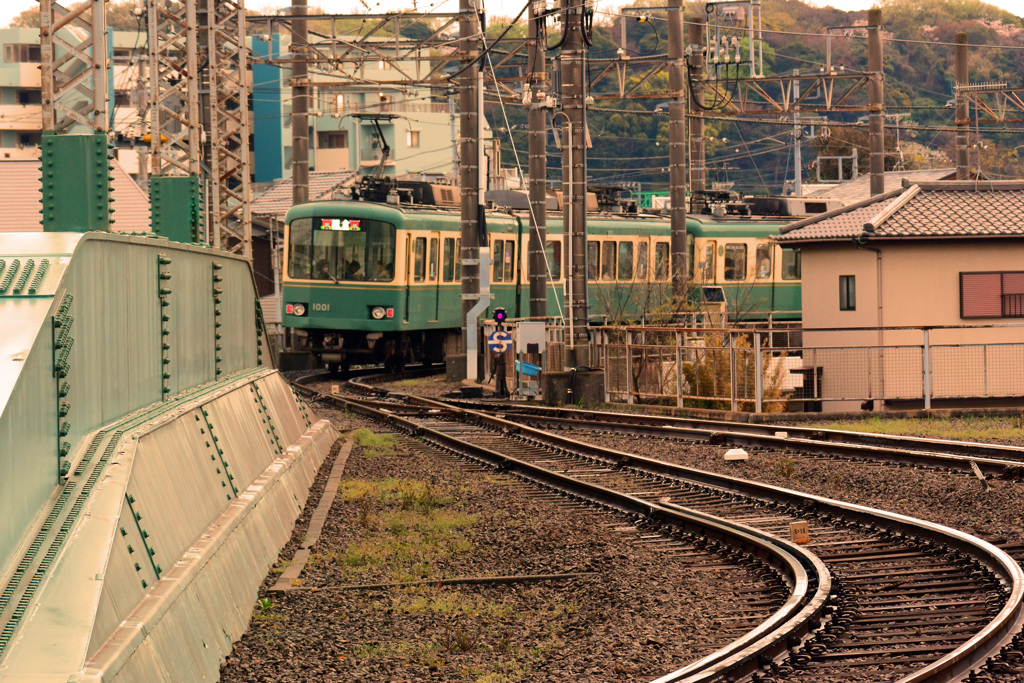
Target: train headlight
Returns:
[299, 310]
[378, 312]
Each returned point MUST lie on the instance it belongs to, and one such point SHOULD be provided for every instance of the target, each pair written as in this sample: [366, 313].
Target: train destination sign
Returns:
[344, 224]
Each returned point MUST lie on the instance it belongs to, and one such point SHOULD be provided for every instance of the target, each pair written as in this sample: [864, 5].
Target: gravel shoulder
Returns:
[633, 615]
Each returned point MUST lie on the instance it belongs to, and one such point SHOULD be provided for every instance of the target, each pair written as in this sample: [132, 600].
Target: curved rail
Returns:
[960, 661]
[809, 580]
[963, 659]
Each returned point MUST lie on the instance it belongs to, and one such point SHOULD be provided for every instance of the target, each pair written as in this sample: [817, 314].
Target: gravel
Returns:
[634, 615]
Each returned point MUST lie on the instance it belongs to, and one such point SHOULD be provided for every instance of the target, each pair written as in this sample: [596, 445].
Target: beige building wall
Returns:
[920, 285]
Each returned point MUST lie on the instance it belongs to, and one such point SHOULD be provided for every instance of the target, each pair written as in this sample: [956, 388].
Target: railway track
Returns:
[968, 457]
[886, 597]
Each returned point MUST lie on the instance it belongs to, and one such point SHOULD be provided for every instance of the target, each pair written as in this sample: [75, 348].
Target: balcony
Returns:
[27, 117]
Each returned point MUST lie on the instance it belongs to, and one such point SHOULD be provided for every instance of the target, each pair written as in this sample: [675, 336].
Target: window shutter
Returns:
[980, 295]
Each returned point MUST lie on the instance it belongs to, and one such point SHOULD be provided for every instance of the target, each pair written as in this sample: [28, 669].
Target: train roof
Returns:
[597, 223]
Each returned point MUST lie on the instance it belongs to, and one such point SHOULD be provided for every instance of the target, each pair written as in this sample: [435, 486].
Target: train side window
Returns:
[661, 261]
[497, 250]
[419, 259]
[641, 261]
[764, 261]
[458, 259]
[554, 256]
[707, 266]
[433, 258]
[790, 264]
[593, 260]
[510, 261]
[608, 261]
[625, 260]
[448, 260]
[735, 262]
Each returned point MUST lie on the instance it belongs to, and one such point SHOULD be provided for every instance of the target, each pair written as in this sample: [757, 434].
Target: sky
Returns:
[11, 8]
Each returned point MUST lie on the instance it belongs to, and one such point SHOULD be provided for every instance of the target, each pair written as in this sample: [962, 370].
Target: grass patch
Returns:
[415, 382]
[970, 428]
[409, 530]
[375, 445]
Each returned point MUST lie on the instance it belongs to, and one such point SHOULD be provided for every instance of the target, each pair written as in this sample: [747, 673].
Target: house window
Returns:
[22, 53]
[847, 292]
[412, 138]
[735, 262]
[992, 295]
[790, 264]
[332, 139]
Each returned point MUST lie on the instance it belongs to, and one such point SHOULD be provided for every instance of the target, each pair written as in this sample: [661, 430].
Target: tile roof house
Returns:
[859, 189]
[277, 199]
[929, 266]
[21, 183]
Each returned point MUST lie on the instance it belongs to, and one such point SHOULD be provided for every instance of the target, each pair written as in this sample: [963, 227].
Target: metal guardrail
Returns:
[773, 371]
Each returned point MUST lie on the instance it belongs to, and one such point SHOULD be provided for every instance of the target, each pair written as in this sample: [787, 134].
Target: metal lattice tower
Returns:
[74, 83]
[174, 88]
[228, 133]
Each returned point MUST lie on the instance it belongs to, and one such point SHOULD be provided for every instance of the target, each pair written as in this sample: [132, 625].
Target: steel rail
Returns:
[969, 655]
[809, 580]
[969, 448]
[991, 459]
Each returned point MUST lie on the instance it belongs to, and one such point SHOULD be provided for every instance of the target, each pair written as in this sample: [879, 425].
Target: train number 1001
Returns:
[321, 307]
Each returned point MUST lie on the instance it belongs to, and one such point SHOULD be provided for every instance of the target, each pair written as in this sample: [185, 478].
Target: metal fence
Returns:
[774, 371]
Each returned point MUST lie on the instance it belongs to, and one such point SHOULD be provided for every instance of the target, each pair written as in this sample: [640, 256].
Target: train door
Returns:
[434, 275]
[416, 274]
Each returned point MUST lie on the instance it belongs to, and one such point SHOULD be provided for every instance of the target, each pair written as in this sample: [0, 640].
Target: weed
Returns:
[458, 639]
[785, 467]
[265, 605]
[298, 582]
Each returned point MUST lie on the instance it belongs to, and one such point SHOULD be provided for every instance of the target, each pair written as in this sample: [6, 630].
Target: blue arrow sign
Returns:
[499, 342]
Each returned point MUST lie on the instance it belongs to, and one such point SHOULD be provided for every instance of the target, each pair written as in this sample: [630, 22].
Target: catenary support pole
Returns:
[574, 173]
[537, 89]
[677, 146]
[963, 117]
[876, 103]
[300, 105]
[697, 171]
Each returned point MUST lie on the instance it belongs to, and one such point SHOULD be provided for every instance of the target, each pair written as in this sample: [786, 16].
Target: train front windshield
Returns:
[341, 249]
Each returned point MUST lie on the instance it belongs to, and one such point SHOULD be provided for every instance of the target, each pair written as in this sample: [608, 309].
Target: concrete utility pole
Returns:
[963, 116]
[876, 103]
[574, 176]
[677, 145]
[697, 170]
[300, 105]
[798, 156]
[537, 93]
[475, 292]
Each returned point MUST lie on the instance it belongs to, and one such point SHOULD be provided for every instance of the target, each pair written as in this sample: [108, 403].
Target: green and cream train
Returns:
[369, 282]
